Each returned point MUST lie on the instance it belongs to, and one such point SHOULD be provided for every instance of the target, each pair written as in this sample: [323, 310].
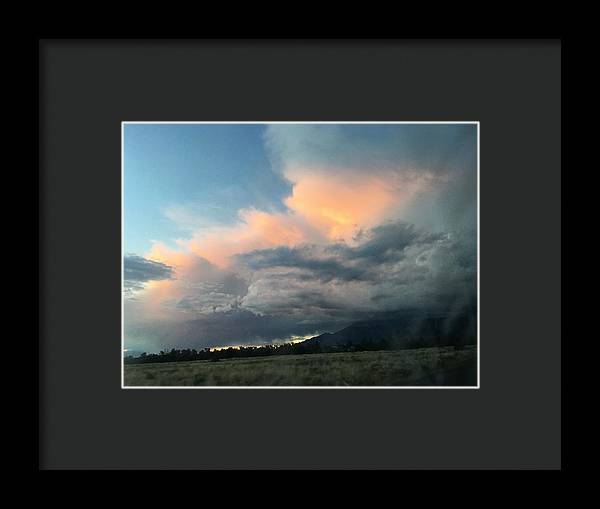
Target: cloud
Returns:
[276, 293]
[350, 262]
[339, 202]
[255, 230]
[279, 292]
[200, 287]
[325, 205]
[203, 298]
[437, 148]
[138, 271]
[431, 168]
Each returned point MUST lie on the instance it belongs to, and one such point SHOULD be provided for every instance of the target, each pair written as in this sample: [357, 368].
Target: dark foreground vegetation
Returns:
[438, 366]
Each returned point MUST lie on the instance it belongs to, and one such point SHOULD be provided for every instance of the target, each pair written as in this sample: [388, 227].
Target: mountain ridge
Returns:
[407, 331]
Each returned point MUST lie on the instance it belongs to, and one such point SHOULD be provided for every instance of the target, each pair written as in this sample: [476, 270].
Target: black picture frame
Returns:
[88, 86]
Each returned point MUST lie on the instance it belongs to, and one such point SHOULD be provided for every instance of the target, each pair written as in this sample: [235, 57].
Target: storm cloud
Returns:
[392, 266]
[278, 293]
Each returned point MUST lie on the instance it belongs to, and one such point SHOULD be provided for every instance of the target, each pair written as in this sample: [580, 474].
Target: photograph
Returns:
[300, 255]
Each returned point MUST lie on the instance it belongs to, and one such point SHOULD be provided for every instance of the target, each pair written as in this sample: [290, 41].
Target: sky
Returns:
[247, 234]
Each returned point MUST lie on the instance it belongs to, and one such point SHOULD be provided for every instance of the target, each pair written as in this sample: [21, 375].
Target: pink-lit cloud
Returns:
[326, 205]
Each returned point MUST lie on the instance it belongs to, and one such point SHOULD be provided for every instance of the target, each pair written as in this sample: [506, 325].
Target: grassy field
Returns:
[424, 366]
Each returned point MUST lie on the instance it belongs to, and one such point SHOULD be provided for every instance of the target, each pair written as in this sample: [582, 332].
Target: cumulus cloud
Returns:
[325, 205]
[431, 168]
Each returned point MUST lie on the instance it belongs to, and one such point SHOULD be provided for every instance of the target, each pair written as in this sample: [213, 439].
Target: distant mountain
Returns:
[407, 331]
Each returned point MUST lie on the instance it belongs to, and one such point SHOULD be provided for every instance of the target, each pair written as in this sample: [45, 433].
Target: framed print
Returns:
[300, 254]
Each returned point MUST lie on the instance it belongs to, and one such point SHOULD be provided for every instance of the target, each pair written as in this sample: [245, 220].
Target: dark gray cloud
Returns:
[393, 266]
[387, 242]
[384, 244]
[137, 270]
[310, 262]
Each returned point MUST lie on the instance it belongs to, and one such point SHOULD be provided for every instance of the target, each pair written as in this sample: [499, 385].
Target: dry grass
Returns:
[425, 366]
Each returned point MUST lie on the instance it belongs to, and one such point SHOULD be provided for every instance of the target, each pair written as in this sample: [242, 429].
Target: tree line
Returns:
[206, 354]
